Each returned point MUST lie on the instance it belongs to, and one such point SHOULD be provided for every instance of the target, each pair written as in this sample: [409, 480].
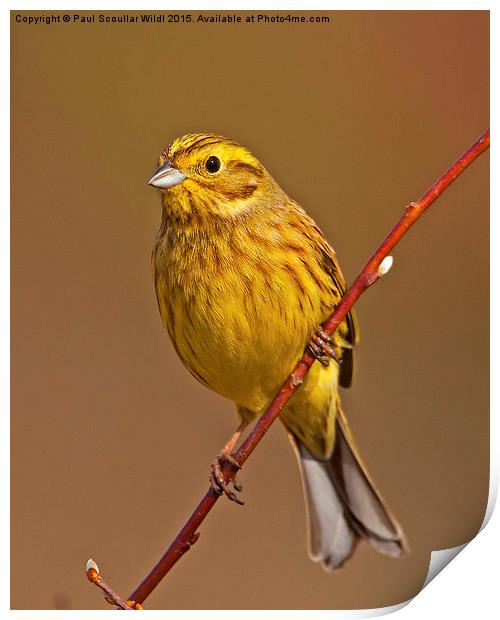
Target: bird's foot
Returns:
[217, 481]
[320, 347]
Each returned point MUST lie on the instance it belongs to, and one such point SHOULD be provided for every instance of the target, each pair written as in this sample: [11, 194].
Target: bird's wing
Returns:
[332, 267]
[352, 333]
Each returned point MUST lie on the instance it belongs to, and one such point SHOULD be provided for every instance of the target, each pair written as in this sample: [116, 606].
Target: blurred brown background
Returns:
[111, 436]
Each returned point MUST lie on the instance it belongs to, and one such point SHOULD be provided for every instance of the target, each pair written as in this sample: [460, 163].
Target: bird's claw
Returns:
[320, 347]
[216, 477]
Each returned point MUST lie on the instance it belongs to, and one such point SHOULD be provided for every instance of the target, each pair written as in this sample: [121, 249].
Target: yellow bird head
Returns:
[210, 174]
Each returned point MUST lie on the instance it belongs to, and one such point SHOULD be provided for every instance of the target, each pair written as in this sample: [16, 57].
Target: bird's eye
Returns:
[213, 164]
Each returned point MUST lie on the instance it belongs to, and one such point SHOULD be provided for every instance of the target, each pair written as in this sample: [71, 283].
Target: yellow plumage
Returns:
[243, 278]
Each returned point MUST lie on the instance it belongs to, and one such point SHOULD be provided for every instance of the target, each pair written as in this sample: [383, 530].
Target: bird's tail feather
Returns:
[343, 505]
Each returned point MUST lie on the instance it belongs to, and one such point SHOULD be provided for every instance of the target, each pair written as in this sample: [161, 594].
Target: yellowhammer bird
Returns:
[244, 278]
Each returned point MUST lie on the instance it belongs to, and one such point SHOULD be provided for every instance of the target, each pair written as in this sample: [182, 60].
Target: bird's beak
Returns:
[166, 176]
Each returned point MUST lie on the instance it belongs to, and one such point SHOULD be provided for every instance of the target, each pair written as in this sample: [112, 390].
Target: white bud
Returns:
[91, 564]
[385, 265]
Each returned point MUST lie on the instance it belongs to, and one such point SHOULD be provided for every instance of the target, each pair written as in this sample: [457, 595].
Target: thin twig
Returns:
[377, 265]
[94, 576]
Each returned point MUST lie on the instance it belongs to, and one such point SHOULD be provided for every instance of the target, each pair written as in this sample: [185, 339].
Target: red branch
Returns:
[370, 273]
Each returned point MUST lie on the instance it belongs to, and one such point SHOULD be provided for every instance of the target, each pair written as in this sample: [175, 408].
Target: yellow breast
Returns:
[240, 310]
